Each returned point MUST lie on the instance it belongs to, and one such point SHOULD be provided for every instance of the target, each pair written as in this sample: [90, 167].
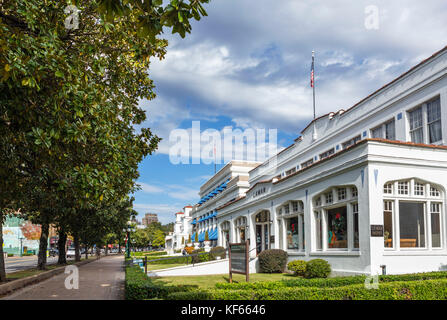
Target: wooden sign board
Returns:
[376, 230]
[238, 259]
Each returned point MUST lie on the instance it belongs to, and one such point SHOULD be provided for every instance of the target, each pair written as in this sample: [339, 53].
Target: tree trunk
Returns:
[119, 246]
[2, 257]
[43, 244]
[107, 249]
[77, 247]
[86, 252]
[62, 258]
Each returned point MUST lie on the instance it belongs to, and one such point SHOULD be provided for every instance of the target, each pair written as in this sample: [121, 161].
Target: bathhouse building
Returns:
[363, 188]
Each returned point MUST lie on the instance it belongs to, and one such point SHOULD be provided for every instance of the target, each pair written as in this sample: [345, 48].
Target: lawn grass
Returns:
[209, 281]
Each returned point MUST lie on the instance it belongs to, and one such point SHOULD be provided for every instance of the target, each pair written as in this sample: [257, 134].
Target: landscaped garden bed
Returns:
[419, 286]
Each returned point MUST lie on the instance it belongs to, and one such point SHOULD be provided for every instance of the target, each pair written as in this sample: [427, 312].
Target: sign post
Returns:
[238, 259]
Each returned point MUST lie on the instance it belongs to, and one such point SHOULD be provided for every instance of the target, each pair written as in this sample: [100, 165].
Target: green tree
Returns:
[69, 101]
[159, 238]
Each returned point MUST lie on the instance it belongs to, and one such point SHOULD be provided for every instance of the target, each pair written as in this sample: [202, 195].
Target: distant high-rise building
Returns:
[149, 218]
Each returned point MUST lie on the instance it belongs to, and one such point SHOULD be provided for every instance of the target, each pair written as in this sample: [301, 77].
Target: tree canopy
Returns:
[69, 104]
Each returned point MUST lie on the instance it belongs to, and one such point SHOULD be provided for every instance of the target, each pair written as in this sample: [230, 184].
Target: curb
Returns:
[14, 285]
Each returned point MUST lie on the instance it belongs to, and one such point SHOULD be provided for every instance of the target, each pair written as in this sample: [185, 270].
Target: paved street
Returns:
[14, 264]
[99, 280]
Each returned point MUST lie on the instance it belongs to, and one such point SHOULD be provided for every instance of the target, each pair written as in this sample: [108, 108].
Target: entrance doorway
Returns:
[263, 231]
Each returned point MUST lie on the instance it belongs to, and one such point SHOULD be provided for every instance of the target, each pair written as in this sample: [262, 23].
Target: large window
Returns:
[291, 218]
[327, 153]
[292, 233]
[307, 163]
[425, 122]
[435, 217]
[411, 225]
[337, 219]
[413, 215]
[388, 224]
[386, 130]
[319, 230]
[351, 142]
[337, 228]
[434, 120]
[416, 125]
[355, 221]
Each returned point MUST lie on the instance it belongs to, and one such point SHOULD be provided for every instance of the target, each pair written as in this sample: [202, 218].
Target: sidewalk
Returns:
[99, 280]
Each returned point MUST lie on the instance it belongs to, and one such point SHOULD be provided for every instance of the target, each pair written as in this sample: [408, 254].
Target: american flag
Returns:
[312, 79]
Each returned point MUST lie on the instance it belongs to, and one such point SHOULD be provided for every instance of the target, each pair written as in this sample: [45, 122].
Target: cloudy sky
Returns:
[247, 65]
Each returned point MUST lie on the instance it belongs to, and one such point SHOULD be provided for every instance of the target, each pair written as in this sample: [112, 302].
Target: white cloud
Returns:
[258, 73]
[146, 188]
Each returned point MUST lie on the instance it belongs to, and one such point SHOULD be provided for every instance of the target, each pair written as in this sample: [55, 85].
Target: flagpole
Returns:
[314, 135]
[313, 63]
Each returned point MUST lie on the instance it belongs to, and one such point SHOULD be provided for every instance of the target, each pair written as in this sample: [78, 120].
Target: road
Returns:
[14, 264]
[102, 279]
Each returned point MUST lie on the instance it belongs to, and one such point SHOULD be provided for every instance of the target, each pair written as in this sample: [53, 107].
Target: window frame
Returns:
[322, 212]
[427, 199]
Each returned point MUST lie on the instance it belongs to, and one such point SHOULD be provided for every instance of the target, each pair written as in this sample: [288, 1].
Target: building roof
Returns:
[382, 88]
[411, 144]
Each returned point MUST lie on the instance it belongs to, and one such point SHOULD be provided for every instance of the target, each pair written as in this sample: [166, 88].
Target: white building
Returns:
[182, 229]
[363, 188]
[228, 184]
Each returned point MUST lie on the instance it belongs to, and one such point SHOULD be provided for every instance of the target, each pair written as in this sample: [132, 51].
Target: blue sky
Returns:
[247, 65]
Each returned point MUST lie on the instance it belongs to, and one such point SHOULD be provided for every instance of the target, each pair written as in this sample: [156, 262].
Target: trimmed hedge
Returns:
[399, 290]
[139, 286]
[317, 268]
[329, 282]
[298, 267]
[272, 261]
[217, 252]
[149, 253]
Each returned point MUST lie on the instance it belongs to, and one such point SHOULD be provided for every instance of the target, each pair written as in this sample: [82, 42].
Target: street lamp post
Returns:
[21, 246]
[128, 230]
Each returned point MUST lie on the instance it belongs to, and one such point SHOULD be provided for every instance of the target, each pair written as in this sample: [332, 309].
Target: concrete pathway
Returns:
[99, 280]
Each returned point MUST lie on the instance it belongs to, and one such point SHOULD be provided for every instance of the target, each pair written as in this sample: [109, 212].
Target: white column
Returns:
[275, 230]
[232, 235]
[252, 235]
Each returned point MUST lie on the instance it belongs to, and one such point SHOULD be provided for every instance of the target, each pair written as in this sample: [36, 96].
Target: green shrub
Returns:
[298, 267]
[272, 261]
[10, 255]
[217, 252]
[139, 286]
[399, 290]
[196, 258]
[318, 268]
[329, 282]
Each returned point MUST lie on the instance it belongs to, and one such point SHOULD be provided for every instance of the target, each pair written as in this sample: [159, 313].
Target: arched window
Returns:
[334, 208]
[291, 225]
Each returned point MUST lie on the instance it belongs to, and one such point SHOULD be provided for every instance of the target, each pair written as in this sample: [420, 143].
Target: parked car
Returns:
[71, 253]
[53, 252]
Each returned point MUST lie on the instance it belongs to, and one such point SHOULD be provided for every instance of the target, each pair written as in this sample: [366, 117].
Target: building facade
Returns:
[228, 184]
[177, 239]
[149, 218]
[363, 188]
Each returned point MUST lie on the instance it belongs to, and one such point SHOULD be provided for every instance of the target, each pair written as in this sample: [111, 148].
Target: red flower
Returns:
[337, 216]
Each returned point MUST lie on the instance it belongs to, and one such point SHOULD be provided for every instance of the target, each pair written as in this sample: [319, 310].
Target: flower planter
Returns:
[207, 246]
